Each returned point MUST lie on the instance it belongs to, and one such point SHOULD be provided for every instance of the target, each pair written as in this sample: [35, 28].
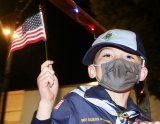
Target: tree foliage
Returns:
[142, 17]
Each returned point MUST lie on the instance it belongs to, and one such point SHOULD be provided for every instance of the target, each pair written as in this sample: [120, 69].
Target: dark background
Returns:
[67, 42]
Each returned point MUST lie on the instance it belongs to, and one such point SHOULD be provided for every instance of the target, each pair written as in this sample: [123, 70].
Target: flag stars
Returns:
[32, 23]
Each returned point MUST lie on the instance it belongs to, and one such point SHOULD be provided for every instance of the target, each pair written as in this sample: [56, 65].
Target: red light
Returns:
[91, 27]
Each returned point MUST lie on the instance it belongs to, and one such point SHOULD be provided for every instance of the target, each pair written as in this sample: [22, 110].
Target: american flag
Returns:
[31, 31]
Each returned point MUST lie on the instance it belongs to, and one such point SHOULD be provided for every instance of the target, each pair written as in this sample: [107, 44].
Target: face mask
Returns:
[119, 75]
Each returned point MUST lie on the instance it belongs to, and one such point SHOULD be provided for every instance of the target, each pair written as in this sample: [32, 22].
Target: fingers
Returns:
[47, 76]
[47, 70]
[47, 63]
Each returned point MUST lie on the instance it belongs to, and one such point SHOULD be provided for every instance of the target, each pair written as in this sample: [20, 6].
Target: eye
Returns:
[130, 58]
[107, 55]
[104, 55]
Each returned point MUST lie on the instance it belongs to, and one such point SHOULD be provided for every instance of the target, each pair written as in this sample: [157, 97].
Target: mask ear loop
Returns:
[143, 96]
[96, 65]
[143, 61]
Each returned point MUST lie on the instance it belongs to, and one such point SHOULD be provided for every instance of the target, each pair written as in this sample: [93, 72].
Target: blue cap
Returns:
[122, 39]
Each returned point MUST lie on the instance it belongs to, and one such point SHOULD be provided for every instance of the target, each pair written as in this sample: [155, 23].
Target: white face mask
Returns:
[119, 75]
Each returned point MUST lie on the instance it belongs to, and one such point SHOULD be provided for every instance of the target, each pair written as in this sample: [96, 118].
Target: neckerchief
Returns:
[121, 117]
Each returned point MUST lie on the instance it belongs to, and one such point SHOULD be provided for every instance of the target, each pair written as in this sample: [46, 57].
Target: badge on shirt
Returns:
[59, 104]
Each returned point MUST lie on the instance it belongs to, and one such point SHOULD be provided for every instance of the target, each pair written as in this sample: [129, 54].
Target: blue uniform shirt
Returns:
[87, 105]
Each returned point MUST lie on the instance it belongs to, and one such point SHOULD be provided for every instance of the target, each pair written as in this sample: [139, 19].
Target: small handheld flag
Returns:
[31, 31]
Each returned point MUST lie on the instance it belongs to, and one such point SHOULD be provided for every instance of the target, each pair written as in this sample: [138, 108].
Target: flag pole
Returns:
[41, 9]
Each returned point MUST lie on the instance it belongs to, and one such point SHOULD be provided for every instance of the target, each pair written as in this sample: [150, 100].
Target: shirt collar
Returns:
[99, 92]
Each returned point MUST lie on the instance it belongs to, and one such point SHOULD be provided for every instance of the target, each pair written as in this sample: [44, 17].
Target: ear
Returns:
[143, 74]
[91, 71]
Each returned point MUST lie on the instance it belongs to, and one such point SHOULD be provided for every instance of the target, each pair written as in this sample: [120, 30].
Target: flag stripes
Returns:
[31, 31]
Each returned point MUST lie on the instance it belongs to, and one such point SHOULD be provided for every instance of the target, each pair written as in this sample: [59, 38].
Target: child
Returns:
[117, 60]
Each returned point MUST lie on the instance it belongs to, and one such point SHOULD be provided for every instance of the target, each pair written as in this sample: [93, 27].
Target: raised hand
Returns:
[48, 88]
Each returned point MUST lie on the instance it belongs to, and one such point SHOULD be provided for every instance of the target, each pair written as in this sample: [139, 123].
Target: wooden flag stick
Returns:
[46, 50]
[41, 9]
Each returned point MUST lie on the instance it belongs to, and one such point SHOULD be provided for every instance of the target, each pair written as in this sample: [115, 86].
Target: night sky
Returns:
[67, 42]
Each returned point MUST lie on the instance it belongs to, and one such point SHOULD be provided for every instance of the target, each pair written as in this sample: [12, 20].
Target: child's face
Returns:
[107, 54]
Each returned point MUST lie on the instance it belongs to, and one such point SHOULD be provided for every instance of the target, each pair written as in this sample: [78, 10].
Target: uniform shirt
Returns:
[88, 107]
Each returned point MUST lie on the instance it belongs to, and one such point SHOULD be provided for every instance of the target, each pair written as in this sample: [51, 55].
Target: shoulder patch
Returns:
[59, 104]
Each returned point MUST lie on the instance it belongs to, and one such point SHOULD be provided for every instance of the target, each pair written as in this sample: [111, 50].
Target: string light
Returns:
[91, 27]
[76, 9]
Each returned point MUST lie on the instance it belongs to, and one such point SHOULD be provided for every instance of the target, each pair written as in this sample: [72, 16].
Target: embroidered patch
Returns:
[59, 104]
[97, 119]
[107, 36]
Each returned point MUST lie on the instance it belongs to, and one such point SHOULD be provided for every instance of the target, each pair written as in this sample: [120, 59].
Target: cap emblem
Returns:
[107, 36]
